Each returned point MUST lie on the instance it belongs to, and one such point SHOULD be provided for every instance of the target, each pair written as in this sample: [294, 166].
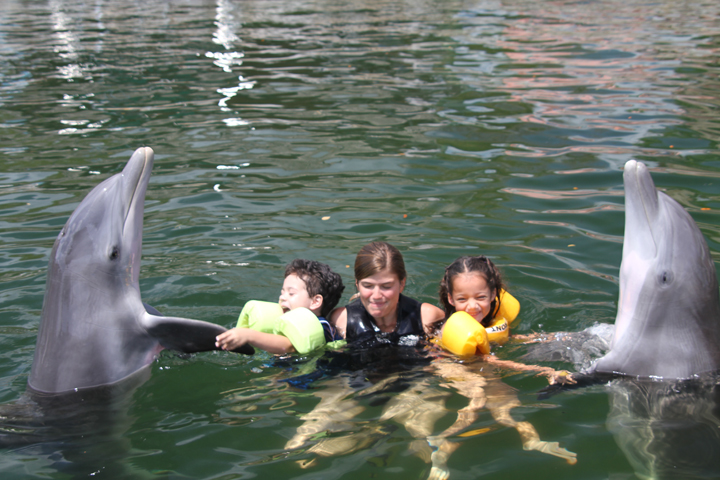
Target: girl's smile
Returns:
[471, 294]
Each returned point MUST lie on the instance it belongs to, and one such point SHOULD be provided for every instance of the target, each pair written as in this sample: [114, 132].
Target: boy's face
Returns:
[294, 294]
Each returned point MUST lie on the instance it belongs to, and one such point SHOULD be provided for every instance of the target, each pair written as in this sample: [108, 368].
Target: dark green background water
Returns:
[443, 127]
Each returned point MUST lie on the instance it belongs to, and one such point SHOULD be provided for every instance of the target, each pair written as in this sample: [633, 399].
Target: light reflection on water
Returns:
[445, 128]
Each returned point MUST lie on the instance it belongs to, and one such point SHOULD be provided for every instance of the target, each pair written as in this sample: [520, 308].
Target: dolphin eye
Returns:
[115, 253]
[665, 277]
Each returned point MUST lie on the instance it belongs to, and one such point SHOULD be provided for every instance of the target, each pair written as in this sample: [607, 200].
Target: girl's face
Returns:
[380, 293]
[471, 294]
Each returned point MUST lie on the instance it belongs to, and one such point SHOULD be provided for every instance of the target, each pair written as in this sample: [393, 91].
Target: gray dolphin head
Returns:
[95, 329]
[668, 319]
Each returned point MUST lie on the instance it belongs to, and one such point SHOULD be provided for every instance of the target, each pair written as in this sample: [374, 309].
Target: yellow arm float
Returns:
[463, 335]
[302, 328]
[259, 316]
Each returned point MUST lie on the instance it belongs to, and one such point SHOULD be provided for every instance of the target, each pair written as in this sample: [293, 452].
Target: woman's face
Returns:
[471, 294]
[380, 293]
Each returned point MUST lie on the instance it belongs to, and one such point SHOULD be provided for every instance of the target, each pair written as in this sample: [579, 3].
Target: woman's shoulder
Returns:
[338, 318]
[431, 314]
[336, 314]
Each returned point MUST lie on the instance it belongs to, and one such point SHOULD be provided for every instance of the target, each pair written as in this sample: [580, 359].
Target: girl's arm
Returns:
[554, 376]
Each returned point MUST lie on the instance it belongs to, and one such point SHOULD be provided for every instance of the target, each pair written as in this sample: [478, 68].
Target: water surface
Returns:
[310, 128]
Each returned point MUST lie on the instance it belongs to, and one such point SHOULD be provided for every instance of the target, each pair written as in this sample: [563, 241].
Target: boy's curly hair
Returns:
[319, 280]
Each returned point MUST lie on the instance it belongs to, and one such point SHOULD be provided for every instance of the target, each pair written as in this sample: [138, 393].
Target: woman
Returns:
[381, 313]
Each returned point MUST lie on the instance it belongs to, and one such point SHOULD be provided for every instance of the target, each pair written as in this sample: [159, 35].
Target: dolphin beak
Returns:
[639, 187]
[642, 204]
[137, 174]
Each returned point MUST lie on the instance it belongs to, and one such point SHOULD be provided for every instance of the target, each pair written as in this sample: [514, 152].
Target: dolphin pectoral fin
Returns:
[186, 335]
[151, 310]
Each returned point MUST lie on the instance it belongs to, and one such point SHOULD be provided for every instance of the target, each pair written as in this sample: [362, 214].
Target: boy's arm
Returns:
[269, 342]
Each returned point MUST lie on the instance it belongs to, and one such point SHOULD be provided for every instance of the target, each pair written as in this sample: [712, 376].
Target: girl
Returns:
[473, 285]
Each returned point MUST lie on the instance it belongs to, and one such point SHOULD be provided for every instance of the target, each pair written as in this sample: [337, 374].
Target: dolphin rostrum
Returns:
[668, 319]
[95, 329]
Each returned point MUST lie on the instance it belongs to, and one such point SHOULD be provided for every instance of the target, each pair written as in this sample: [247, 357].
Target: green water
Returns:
[310, 128]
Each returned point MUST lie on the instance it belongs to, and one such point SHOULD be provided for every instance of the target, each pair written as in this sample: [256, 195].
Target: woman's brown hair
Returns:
[376, 257]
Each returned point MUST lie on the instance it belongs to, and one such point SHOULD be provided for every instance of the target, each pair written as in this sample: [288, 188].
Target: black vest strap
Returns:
[361, 325]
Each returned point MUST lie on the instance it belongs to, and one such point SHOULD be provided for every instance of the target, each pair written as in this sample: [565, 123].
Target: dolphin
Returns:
[664, 354]
[95, 330]
[668, 318]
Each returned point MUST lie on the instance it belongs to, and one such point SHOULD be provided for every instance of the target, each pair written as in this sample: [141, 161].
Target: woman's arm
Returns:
[338, 318]
[269, 342]
[430, 316]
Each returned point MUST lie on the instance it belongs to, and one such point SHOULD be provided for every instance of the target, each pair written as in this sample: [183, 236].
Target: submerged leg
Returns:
[344, 445]
[529, 436]
[418, 409]
[443, 449]
[331, 414]
[466, 416]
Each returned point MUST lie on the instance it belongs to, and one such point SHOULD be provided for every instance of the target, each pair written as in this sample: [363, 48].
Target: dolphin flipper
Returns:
[186, 335]
[151, 310]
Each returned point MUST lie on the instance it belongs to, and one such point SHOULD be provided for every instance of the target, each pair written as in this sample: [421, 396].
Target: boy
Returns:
[297, 324]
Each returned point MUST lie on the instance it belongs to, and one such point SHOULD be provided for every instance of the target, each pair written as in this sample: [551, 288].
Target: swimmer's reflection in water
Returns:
[406, 382]
[388, 360]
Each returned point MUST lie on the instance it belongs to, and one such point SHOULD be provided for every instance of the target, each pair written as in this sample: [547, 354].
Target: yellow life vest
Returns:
[506, 311]
[463, 335]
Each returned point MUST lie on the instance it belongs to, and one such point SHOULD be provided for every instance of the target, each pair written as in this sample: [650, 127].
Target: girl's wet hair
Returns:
[480, 265]
[376, 257]
[319, 280]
